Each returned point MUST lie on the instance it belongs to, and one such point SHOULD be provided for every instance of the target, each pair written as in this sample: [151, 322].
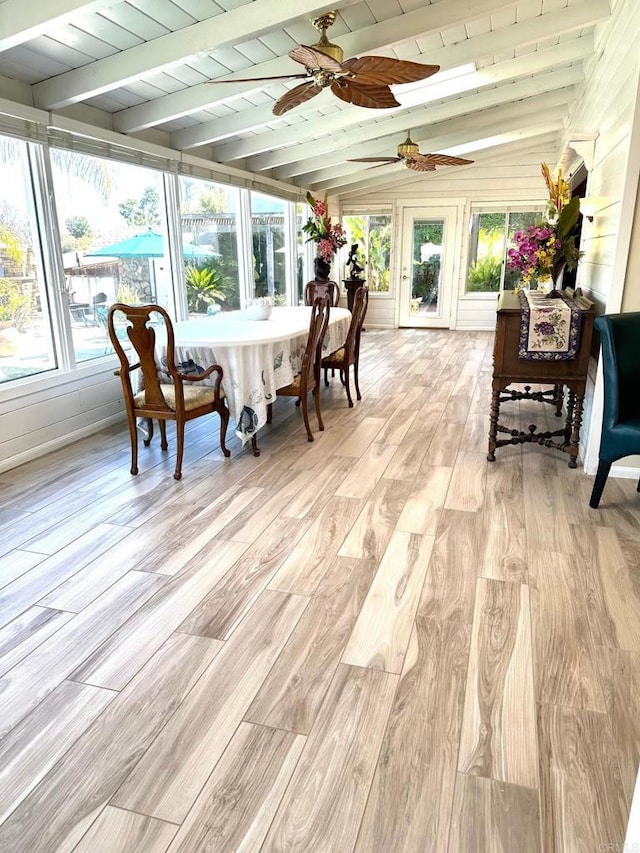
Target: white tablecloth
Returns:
[256, 356]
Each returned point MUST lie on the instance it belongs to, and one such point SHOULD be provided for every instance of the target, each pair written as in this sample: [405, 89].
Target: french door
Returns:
[427, 266]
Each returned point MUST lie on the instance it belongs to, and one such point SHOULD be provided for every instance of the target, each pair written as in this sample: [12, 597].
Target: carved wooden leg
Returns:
[254, 445]
[224, 422]
[568, 427]
[177, 474]
[558, 397]
[133, 434]
[493, 422]
[575, 435]
[147, 440]
[164, 445]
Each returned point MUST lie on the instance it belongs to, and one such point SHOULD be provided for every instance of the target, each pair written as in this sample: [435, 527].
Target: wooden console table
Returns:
[509, 369]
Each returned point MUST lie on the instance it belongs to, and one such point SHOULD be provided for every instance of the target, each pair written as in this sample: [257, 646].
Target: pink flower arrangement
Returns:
[327, 236]
[543, 249]
[535, 251]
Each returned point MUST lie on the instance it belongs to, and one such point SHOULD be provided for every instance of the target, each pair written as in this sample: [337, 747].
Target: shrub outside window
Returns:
[491, 237]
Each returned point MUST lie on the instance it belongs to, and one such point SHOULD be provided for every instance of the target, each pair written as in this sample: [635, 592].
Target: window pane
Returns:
[112, 220]
[26, 340]
[209, 219]
[487, 250]
[517, 221]
[372, 233]
[267, 234]
[427, 257]
[302, 214]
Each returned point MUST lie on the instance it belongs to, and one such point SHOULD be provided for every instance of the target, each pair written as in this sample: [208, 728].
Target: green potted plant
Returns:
[203, 287]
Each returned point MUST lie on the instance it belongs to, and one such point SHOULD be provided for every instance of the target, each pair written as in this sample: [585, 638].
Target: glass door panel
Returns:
[427, 267]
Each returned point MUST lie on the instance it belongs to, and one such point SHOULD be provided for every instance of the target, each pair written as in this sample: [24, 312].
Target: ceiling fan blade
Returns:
[441, 160]
[374, 70]
[312, 58]
[419, 166]
[258, 79]
[296, 96]
[373, 97]
[374, 160]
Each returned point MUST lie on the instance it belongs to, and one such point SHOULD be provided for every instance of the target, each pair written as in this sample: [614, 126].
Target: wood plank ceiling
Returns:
[509, 74]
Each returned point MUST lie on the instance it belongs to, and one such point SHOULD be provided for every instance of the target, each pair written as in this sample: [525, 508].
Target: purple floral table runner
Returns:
[549, 328]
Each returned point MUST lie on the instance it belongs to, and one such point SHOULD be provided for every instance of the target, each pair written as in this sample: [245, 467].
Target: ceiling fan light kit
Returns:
[364, 81]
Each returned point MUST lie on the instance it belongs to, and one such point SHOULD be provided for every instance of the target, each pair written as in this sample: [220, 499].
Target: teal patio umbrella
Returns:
[149, 244]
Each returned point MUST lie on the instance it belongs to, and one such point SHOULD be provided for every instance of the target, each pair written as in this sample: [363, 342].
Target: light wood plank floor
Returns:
[378, 642]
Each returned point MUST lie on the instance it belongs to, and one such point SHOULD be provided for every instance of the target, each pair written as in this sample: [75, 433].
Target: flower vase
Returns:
[557, 274]
[321, 269]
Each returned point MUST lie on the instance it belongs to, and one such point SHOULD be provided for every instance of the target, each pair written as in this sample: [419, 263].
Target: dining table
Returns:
[257, 356]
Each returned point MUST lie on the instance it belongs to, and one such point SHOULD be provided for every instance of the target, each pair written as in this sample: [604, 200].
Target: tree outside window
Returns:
[372, 233]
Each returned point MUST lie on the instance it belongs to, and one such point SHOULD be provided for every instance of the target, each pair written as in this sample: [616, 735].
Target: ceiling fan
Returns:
[409, 154]
[363, 81]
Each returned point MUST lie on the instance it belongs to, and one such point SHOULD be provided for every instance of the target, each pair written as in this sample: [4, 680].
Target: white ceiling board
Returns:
[514, 131]
[145, 64]
[23, 21]
[66, 55]
[445, 134]
[167, 49]
[136, 21]
[382, 10]
[430, 138]
[255, 51]
[88, 45]
[37, 63]
[526, 11]
[488, 44]
[502, 73]
[389, 136]
[200, 10]
[166, 13]
[105, 30]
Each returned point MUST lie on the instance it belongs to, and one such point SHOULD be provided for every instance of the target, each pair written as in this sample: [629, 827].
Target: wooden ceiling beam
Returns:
[127, 66]
[376, 38]
[514, 37]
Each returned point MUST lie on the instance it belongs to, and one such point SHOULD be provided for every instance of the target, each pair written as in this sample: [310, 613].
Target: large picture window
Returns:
[268, 239]
[26, 330]
[490, 238]
[113, 225]
[372, 233]
[209, 221]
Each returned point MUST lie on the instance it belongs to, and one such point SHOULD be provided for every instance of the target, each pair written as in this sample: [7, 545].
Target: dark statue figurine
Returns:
[355, 271]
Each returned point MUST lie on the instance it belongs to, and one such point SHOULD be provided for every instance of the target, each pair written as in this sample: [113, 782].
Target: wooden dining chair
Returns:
[155, 400]
[309, 377]
[349, 353]
[321, 288]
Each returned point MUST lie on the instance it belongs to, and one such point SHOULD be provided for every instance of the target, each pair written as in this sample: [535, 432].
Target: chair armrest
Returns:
[213, 368]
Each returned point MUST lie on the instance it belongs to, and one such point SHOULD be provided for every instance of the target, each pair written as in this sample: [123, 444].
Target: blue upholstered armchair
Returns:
[620, 336]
